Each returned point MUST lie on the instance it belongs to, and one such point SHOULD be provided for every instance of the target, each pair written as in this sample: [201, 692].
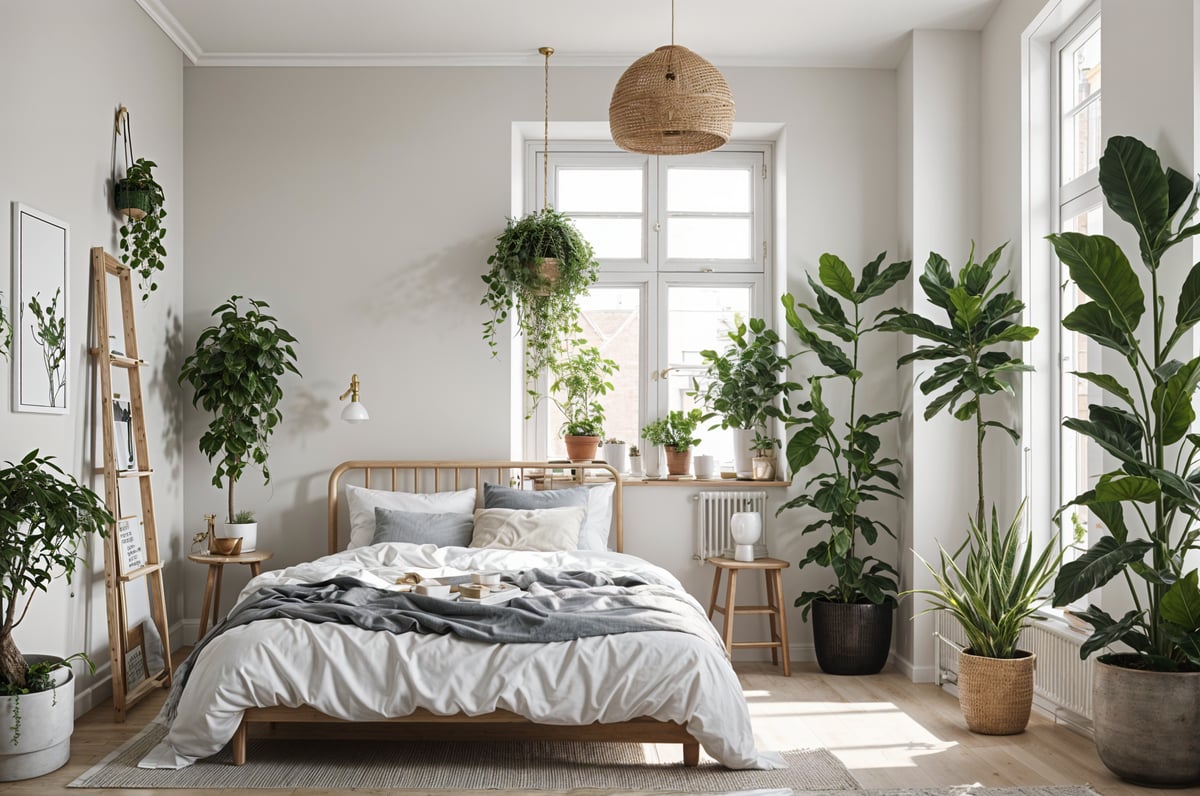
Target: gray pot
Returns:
[1147, 724]
[47, 721]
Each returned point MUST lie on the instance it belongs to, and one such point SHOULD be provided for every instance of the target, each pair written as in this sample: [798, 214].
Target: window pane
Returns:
[1079, 67]
[1081, 142]
[612, 238]
[599, 190]
[708, 190]
[611, 320]
[709, 238]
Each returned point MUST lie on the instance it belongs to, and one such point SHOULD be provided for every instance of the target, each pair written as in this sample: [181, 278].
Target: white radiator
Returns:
[1062, 683]
[712, 521]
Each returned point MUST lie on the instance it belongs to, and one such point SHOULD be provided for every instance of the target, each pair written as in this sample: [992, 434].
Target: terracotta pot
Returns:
[996, 694]
[678, 462]
[581, 449]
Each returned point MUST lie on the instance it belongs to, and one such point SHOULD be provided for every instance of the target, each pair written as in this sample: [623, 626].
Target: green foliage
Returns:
[581, 380]
[235, 374]
[546, 313]
[44, 516]
[764, 444]
[142, 239]
[998, 587]
[50, 333]
[742, 386]
[243, 517]
[1145, 426]
[834, 331]
[971, 349]
[675, 430]
[6, 330]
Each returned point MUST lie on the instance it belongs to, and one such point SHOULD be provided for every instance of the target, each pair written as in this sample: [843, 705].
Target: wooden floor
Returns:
[889, 733]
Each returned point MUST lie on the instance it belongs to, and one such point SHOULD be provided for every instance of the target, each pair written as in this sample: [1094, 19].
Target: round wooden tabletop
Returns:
[759, 563]
[254, 557]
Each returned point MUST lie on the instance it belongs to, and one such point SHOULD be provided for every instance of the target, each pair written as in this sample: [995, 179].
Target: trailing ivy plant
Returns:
[50, 333]
[848, 444]
[235, 373]
[580, 381]
[743, 384]
[142, 239]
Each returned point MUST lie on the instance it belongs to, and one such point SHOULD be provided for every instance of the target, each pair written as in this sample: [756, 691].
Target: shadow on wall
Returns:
[425, 290]
[164, 387]
[304, 522]
[308, 410]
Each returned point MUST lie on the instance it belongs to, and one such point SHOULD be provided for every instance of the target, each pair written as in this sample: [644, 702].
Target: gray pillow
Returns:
[443, 530]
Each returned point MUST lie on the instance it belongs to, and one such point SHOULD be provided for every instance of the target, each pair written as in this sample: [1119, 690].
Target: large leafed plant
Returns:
[742, 384]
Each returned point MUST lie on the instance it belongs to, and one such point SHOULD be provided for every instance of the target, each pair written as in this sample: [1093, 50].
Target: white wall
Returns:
[363, 203]
[67, 66]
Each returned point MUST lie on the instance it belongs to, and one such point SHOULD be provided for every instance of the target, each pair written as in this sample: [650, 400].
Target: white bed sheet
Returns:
[360, 675]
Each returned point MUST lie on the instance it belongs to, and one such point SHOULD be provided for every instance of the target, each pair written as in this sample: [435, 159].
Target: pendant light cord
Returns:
[547, 51]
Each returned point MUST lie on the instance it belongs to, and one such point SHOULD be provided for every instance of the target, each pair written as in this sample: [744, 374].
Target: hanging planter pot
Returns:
[133, 201]
[544, 273]
[140, 198]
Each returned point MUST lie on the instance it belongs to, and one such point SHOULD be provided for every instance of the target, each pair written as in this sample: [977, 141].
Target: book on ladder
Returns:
[141, 655]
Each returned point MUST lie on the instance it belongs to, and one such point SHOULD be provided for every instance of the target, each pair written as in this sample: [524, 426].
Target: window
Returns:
[682, 245]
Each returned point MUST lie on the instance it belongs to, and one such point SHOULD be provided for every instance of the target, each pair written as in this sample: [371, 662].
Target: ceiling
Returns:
[832, 33]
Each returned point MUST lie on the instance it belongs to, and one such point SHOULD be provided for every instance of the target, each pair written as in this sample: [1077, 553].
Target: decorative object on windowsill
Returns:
[995, 688]
[1146, 725]
[671, 102]
[140, 198]
[746, 529]
[541, 267]
[744, 386]
[764, 457]
[354, 412]
[614, 454]
[246, 409]
[705, 465]
[581, 380]
[47, 516]
[674, 433]
[635, 462]
[852, 619]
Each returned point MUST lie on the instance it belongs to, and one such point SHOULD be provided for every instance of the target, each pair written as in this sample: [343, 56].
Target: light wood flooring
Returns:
[889, 733]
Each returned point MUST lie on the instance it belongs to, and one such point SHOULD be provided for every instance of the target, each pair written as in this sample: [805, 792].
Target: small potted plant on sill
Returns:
[582, 380]
[235, 372]
[614, 454]
[46, 515]
[541, 267]
[675, 433]
[635, 462]
[763, 462]
[139, 197]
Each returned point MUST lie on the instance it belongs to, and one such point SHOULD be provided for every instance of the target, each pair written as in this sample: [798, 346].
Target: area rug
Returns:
[966, 790]
[278, 763]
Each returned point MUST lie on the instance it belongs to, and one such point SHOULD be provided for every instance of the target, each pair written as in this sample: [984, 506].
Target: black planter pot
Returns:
[852, 638]
[133, 201]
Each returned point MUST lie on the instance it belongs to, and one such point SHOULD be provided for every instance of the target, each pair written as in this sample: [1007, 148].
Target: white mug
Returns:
[705, 465]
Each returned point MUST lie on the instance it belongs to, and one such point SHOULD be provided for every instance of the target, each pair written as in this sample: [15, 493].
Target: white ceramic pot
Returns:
[743, 453]
[614, 455]
[635, 466]
[247, 530]
[47, 720]
[653, 461]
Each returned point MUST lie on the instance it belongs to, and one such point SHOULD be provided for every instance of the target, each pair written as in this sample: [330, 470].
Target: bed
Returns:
[658, 686]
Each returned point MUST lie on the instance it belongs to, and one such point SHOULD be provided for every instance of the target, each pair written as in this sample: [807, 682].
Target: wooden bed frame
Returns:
[441, 476]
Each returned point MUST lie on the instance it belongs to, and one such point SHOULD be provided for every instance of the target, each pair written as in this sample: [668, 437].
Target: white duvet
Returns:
[361, 675]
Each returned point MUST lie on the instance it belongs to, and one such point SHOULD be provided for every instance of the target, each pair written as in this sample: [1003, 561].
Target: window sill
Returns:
[705, 482]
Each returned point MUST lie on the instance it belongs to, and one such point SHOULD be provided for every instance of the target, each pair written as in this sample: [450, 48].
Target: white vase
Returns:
[635, 466]
[746, 529]
[653, 461]
[47, 721]
[743, 453]
[614, 455]
[247, 530]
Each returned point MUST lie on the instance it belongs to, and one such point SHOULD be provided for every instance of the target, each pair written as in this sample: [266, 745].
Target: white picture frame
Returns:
[41, 350]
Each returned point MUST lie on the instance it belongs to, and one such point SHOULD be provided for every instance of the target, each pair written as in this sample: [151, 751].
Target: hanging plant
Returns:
[141, 199]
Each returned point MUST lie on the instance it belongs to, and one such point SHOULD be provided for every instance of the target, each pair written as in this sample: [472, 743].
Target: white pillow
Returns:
[363, 502]
[594, 535]
[545, 530]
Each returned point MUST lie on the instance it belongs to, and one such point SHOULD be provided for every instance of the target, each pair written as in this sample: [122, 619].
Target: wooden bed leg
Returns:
[239, 745]
[691, 754]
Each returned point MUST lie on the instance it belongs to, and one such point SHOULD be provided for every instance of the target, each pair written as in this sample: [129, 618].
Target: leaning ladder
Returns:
[120, 638]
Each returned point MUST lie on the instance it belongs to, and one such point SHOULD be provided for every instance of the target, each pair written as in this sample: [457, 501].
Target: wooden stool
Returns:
[212, 588]
[773, 569]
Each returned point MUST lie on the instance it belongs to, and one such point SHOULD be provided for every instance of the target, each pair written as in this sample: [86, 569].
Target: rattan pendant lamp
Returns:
[671, 102]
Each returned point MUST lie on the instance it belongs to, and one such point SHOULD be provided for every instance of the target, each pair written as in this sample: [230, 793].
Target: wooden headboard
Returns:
[447, 476]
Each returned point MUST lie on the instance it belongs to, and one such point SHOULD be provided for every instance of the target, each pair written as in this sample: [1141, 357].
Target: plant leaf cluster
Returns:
[142, 239]
[676, 430]
[582, 379]
[50, 333]
[1145, 425]
[45, 515]
[850, 445]
[742, 385]
[235, 374]
[6, 330]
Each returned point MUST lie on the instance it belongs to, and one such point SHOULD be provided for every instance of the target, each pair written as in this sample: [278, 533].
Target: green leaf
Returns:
[1173, 402]
[1101, 270]
[1107, 383]
[836, 276]
[1097, 566]
[1181, 603]
[1136, 189]
[1128, 488]
[1188, 312]
[1094, 321]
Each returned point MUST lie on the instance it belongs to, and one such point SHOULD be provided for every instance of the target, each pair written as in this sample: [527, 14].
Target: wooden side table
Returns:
[772, 569]
[212, 588]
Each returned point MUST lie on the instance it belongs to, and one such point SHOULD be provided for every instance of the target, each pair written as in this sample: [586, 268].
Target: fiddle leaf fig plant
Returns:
[142, 238]
[743, 384]
[235, 373]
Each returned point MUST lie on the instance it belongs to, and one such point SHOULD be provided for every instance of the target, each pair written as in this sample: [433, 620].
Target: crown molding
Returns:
[171, 26]
[613, 60]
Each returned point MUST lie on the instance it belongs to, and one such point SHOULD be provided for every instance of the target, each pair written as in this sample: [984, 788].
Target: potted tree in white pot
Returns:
[44, 517]
[235, 372]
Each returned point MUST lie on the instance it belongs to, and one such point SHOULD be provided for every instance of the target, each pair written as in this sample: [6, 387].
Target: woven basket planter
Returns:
[851, 638]
[996, 694]
[133, 201]
[546, 270]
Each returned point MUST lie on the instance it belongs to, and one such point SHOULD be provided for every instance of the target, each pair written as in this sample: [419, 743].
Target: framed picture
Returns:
[41, 339]
[129, 544]
[123, 434]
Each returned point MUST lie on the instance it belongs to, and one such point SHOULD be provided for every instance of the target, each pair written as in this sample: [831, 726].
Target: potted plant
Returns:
[743, 386]
[674, 433]
[234, 372]
[995, 682]
[614, 453]
[44, 516]
[1145, 718]
[139, 197]
[582, 380]
[852, 619]
[763, 462]
[635, 461]
[539, 271]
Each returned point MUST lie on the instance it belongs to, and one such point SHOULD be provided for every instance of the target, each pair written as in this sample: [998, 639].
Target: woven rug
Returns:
[969, 790]
[278, 763]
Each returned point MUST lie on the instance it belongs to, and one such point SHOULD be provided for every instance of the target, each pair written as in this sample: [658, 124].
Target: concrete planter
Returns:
[996, 694]
[1147, 724]
[47, 720]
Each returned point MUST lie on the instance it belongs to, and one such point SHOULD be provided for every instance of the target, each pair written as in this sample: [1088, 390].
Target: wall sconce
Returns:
[354, 412]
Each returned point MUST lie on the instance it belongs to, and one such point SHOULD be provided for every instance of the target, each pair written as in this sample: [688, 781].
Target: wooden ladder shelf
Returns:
[123, 640]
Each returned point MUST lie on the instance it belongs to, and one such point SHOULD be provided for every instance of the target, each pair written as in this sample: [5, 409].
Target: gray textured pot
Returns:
[47, 719]
[1147, 724]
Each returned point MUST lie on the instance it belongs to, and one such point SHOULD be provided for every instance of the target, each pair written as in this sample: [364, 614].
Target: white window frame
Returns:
[653, 275]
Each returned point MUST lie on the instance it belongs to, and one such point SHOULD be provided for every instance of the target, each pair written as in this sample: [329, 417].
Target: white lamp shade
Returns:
[355, 412]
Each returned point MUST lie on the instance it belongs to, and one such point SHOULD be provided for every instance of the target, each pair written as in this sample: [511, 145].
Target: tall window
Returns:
[1079, 209]
[682, 245]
